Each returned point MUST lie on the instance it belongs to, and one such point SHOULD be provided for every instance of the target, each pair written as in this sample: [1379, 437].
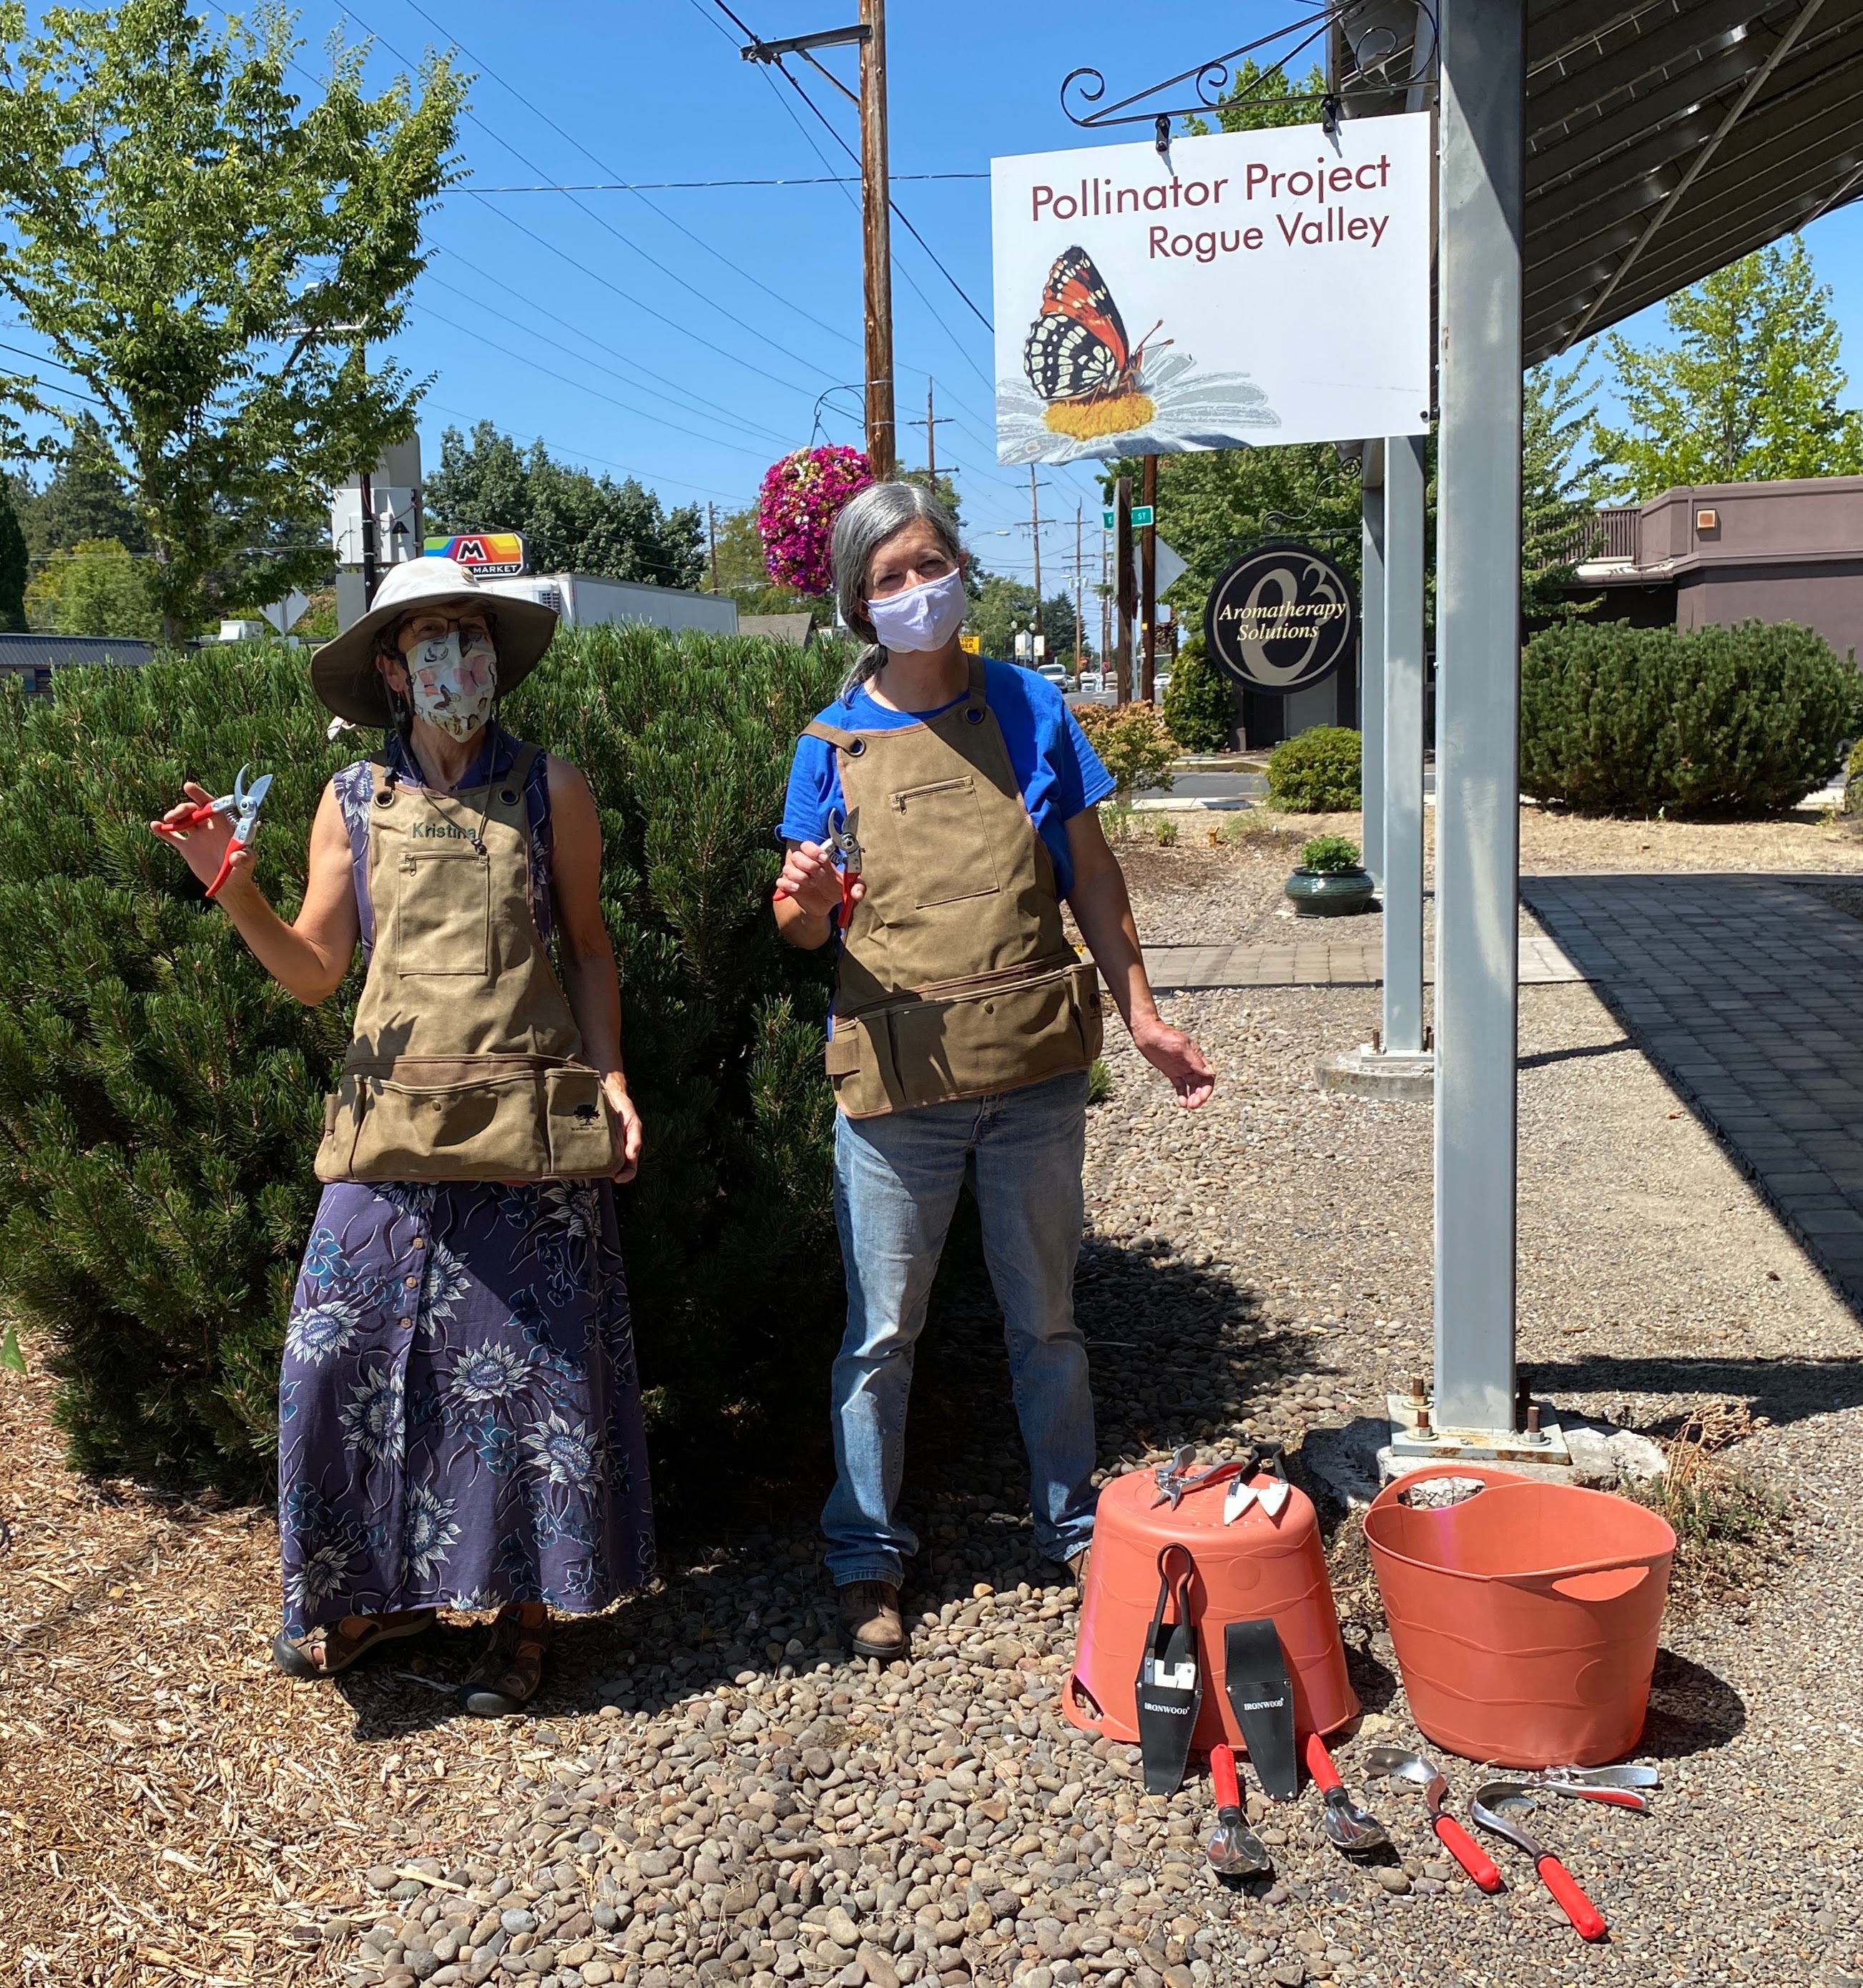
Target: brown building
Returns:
[1723, 552]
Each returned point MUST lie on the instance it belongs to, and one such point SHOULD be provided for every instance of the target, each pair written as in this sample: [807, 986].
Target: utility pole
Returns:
[932, 424]
[1147, 588]
[1105, 610]
[369, 549]
[1035, 535]
[1079, 577]
[1126, 590]
[877, 252]
[711, 538]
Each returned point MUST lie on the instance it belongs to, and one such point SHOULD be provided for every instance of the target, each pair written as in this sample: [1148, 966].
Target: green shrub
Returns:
[160, 1098]
[1133, 744]
[1316, 772]
[1197, 710]
[1329, 854]
[1165, 832]
[1615, 720]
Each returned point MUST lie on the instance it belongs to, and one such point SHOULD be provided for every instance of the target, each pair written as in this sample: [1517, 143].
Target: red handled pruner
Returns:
[846, 850]
[243, 803]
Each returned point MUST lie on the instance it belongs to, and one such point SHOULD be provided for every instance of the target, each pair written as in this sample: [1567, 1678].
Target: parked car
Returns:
[1057, 674]
[1160, 682]
[1092, 682]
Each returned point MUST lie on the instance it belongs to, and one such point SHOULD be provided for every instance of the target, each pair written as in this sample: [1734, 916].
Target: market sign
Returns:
[491, 555]
[1246, 288]
[1281, 619]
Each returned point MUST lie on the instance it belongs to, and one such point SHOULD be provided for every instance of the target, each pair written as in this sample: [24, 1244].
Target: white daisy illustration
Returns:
[447, 1282]
[487, 1372]
[323, 1571]
[372, 1420]
[1188, 410]
[318, 1331]
[429, 1531]
[566, 1451]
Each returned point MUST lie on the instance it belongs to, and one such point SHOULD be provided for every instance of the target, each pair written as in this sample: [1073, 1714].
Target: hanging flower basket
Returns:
[801, 498]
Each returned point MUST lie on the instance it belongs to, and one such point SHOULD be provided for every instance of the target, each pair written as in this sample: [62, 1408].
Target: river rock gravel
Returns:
[707, 1793]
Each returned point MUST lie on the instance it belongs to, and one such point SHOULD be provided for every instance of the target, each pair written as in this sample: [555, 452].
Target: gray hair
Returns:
[865, 524]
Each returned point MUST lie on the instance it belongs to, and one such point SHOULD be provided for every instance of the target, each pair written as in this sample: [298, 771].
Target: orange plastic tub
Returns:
[1526, 1617]
[1258, 1568]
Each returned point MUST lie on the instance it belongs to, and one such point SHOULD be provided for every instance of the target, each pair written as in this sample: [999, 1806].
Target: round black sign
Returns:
[1282, 619]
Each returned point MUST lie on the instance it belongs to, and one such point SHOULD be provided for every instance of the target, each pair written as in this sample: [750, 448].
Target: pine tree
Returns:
[160, 1098]
[86, 498]
[1749, 390]
[1556, 490]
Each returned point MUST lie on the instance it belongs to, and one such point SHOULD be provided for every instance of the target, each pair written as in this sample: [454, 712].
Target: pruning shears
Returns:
[846, 850]
[243, 803]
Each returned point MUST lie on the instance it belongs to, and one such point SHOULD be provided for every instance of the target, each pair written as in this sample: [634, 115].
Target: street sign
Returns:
[491, 555]
[1171, 567]
[971, 645]
[1281, 619]
[1108, 519]
[1142, 516]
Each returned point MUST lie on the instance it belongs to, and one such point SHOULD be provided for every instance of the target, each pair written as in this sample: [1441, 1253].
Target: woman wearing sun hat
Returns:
[459, 1413]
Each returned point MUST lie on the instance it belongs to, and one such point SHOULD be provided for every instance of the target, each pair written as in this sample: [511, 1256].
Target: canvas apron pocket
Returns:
[442, 917]
[943, 831]
[997, 1037]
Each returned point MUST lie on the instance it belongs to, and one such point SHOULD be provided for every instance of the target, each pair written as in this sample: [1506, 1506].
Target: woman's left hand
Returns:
[1172, 1052]
[615, 1088]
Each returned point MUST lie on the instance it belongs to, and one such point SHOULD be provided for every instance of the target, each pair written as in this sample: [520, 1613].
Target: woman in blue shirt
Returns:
[938, 813]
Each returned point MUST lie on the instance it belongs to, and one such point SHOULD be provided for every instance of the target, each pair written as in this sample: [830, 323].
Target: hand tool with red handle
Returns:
[244, 803]
[1233, 1848]
[1348, 1828]
[1492, 1808]
[845, 846]
[1400, 1764]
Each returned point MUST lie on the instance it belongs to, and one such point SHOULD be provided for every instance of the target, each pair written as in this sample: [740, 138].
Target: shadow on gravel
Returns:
[1579, 1051]
[1783, 1391]
[1691, 1710]
[1179, 1354]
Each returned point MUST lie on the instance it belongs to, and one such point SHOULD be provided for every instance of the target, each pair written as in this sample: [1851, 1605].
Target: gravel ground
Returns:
[705, 1795]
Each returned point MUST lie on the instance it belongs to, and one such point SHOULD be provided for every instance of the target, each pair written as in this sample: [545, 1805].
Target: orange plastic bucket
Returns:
[1256, 1569]
[1525, 1618]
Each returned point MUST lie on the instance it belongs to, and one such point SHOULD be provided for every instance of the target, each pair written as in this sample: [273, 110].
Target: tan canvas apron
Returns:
[466, 1063]
[956, 977]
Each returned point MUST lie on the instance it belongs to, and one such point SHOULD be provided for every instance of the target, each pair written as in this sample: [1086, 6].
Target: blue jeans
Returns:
[896, 1184]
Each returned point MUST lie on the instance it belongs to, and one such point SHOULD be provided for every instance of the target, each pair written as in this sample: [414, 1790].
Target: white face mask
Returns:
[923, 617]
[451, 682]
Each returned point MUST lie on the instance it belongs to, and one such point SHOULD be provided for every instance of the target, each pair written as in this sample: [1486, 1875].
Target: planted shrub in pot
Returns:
[1330, 882]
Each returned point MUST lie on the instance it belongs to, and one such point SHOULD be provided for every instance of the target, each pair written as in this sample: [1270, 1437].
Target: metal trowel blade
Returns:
[1241, 1494]
[1273, 1496]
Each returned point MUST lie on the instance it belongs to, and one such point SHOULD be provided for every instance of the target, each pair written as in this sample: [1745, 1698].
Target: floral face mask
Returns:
[451, 682]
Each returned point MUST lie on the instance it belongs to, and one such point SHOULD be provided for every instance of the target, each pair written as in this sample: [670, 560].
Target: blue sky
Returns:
[689, 337]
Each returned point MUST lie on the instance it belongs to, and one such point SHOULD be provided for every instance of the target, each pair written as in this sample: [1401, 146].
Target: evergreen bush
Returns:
[160, 1098]
[1197, 710]
[1616, 720]
[1316, 772]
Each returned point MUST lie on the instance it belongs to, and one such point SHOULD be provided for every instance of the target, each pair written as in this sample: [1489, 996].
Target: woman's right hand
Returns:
[202, 843]
[810, 876]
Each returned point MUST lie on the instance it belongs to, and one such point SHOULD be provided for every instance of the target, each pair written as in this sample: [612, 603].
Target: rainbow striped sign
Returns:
[493, 555]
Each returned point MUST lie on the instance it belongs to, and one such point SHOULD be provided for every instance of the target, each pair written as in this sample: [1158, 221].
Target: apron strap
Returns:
[853, 743]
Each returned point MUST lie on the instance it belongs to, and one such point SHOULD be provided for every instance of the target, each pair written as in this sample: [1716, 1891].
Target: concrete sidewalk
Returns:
[1319, 961]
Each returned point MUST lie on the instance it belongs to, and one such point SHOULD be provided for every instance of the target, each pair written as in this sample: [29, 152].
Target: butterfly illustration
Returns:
[1077, 349]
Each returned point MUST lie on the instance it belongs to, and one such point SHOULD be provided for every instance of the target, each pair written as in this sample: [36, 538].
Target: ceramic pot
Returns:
[1329, 893]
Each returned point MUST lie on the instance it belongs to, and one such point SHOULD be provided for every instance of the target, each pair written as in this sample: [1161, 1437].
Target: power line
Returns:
[690, 186]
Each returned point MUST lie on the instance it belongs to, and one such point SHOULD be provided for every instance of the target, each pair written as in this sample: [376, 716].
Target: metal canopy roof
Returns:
[1664, 138]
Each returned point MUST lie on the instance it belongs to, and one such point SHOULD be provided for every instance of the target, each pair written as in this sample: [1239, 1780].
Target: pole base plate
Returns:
[1365, 1072]
[1411, 1445]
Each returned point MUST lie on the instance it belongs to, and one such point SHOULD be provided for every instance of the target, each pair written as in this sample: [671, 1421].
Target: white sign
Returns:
[1251, 287]
[1168, 566]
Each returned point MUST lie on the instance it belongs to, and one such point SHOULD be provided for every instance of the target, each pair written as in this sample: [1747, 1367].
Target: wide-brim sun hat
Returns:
[342, 673]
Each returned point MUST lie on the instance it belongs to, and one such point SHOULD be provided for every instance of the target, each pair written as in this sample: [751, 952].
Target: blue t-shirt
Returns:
[1059, 773]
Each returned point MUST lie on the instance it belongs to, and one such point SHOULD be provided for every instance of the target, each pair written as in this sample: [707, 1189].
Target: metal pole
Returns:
[1148, 587]
[1125, 588]
[711, 541]
[876, 241]
[1371, 656]
[1477, 648]
[931, 440]
[1035, 538]
[1402, 499]
[1079, 588]
[369, 549]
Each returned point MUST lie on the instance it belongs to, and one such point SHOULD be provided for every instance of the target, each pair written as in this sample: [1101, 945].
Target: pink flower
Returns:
[800, 499]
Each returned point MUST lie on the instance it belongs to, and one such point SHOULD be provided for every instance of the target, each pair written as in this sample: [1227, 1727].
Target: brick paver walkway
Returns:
[1747, 993]
[1313, 961]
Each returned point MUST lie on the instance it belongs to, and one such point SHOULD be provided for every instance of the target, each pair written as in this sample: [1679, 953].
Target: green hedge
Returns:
[1316, 772]
[160, 1098]
[1615, 720]
[1197, 710]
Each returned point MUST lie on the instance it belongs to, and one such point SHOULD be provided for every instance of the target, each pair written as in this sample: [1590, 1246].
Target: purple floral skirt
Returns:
[459, 1414]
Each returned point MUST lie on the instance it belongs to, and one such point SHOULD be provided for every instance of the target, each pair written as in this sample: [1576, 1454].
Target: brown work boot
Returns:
[1076, 1565]
[870, 1619]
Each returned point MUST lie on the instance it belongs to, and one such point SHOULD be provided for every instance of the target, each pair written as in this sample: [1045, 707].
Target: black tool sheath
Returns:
[1261, 1696]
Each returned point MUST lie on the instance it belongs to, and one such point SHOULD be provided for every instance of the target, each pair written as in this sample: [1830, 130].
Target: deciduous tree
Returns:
[209, 255]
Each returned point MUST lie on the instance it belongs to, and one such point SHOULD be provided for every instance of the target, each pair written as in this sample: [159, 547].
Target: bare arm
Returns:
[589, 982]
[308, 957]
[1104, 912]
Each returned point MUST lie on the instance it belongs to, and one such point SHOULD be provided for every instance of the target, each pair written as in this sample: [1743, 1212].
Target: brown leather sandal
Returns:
[506, 1678]
[332, 1647]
